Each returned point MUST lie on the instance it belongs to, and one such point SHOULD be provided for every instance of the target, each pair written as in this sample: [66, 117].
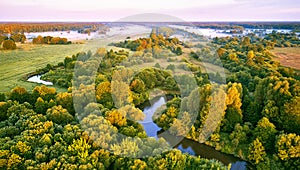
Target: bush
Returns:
[9, 45]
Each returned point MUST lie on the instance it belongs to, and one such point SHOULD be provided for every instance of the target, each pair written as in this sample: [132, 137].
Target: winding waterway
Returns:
[184, 144]
[37, 79]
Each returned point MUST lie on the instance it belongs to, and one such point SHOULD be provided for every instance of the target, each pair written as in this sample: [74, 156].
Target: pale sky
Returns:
[113, 10]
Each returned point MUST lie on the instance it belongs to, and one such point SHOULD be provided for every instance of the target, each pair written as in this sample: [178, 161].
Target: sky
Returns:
[114, 10]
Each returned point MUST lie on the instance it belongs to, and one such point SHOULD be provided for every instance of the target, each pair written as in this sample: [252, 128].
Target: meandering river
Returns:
[184, 144]
[37, 79]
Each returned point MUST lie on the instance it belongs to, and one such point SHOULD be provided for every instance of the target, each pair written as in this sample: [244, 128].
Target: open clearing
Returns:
[16, 64]
[289, 57]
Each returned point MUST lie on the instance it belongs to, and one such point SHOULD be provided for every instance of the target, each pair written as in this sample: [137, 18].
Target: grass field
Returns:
[16, 64]
[27, 58]
[289, 57]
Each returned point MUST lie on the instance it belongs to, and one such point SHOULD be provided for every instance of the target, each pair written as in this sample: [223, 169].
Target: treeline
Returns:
[15, 28]
[222, 26]
[271, 25]
[283, 39]
[9, 43]
[251, 25]
[50, 40]
[155, 44]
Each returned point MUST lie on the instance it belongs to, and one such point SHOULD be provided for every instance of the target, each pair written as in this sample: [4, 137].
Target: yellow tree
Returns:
[234, 102]
[257, 152]
[80, 148]
[116, 118]
[103, 94]
[288, 147]
[127, 147]
[65, 99]
[233, 56]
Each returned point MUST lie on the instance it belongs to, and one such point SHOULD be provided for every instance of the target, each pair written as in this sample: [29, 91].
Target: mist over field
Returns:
[150, 84]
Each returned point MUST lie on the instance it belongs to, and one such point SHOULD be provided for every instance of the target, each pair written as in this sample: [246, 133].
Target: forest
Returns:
[15, 28]
[12, 33]
[258, 120]
[252, 25]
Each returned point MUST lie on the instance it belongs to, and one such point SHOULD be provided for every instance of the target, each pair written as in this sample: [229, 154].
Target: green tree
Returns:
[19, 94]
[291, 115]
[103, 93]
[234, 102]
[59, 115]
[178, 51]
[265, 131]
[41, 106]
[65, 99]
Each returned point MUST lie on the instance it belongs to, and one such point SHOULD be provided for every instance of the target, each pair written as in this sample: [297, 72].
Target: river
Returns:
[184, 144]
[37, 79]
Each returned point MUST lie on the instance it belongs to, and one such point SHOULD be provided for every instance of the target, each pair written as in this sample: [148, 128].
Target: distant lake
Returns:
[212, 33]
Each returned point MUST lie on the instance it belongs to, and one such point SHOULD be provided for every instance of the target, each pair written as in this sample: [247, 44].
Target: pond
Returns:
[184, 144]
[37, 79]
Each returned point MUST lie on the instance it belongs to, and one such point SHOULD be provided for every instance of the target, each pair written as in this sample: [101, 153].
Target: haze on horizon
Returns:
[113, 10]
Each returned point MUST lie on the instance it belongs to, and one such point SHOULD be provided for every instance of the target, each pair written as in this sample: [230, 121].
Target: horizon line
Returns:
[191, 21]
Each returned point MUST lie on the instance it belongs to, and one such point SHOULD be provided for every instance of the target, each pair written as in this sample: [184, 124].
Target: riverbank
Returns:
[183, 144]
[192, 147]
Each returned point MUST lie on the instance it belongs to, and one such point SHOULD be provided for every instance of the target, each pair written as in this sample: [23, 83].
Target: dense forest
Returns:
[12, 33]
[259, 120]
[40, 128]
[251, 25]
[15, 28]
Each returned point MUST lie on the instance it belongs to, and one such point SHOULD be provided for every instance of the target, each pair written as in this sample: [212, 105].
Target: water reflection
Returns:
[184, 144]
[150, 127]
